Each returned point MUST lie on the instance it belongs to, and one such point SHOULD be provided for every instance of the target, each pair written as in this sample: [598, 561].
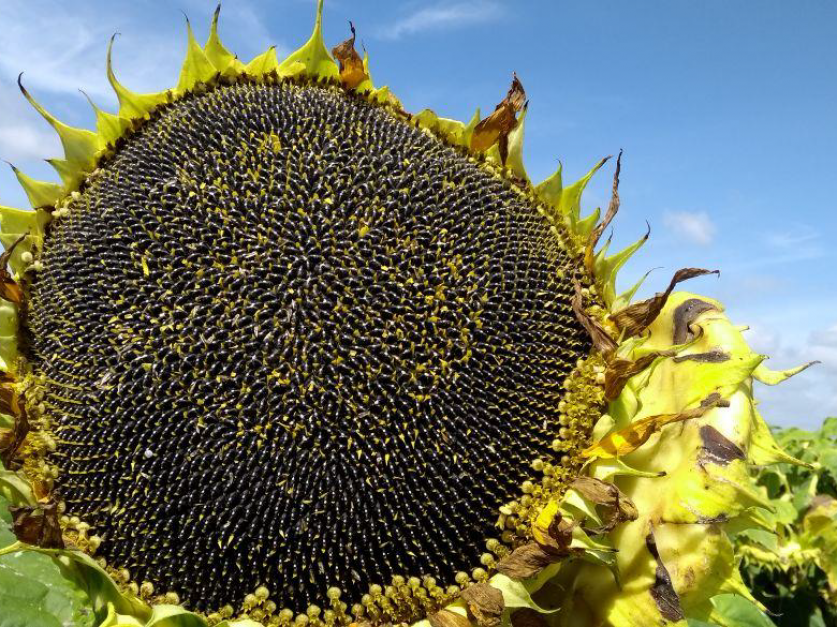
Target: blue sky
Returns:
[726, 110]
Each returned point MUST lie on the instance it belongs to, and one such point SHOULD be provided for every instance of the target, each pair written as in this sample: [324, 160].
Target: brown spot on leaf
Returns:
[717, 448]
[612, 209]
[446, 618]
[601, 338]
[684, 315]
[37, 525]
[9, 289]
[527, 617]
[352, 72]
[634, 319]
[526, 561]
[716, 356]
[485, 603]
[497, 126]
[663, 590]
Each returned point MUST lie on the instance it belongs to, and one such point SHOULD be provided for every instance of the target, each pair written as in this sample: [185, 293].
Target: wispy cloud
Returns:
[67, 52]
[443, 16]
[23, 133]
[798, 241]
[696, 227]
[810, 396]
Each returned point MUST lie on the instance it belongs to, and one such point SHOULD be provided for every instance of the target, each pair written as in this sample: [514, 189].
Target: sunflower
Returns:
[278, 351]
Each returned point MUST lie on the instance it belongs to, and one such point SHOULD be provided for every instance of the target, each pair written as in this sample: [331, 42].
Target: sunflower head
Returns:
[276, 349]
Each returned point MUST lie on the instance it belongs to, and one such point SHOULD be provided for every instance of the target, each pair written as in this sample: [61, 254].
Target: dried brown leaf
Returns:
[616, 506]
[446, 618]
[601, 338]
[497, 126]
[612, 209]
[8, 394]
[352, 72]
[485, 603]
[634, 319]
[37, 525]
[596, 490]
[9, 289]
[556, 536]
[526, 561]
[619, 371]
[12, 439]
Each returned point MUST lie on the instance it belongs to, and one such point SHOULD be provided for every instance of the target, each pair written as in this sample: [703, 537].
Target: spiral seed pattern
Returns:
[290, 340]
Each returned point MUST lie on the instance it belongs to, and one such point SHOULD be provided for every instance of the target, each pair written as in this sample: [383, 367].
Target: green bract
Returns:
[642, 413]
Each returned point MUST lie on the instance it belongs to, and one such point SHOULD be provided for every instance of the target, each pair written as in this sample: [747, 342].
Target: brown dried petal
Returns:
[13, 439]
[619, 371]
[9, 289]
[526, 561]
[352, 72]
[612, 209]
[601, 338]
[634, 319]
[485, 604]
[558, 536]
[446, 618]
[663, 591]
[497, 126]
[596, 490]
[617, 506]
[37, 525]
[527, 617]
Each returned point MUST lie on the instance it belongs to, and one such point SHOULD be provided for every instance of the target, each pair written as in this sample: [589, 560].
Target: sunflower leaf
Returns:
[34, 591]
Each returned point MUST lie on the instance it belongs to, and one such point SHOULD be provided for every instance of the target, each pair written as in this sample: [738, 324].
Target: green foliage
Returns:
[790, 558]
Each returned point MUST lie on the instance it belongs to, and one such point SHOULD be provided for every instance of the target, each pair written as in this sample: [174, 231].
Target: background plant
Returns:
[793, 569]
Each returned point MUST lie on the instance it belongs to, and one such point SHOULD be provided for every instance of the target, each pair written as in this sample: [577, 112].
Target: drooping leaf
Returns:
[600, 337]
[634, 319]
[637, 433]
[613, 208]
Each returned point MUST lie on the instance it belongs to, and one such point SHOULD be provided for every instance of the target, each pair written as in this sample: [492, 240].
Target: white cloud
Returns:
[18, 143]
[807, 398]
[67, 52]
[824, 347]
[443, 16]
[696, 227]
[23, 133]
[798, 242]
